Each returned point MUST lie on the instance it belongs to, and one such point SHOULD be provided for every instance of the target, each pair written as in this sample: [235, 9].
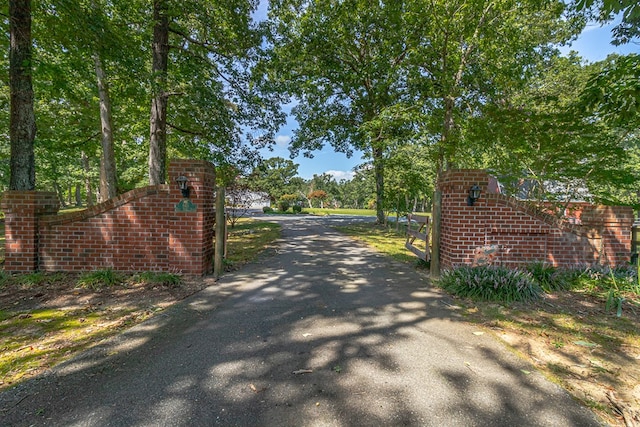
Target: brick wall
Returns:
[147, 229]
[523, 232]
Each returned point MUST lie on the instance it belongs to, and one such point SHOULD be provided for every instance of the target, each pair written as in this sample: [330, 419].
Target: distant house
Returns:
[243, 200]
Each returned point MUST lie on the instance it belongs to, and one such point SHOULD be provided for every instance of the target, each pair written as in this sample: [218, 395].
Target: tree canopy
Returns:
[418, 86]
[219, 107]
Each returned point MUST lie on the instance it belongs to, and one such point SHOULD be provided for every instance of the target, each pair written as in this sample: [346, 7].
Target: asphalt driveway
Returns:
[320, 332]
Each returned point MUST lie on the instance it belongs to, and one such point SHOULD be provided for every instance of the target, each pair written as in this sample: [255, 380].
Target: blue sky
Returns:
[593, 45]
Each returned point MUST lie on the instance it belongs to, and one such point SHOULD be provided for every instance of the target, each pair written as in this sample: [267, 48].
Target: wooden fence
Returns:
[422, 234]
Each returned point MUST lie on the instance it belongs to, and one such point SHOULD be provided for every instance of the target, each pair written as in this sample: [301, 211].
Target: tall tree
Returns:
[160, 55]
[274, 176]
[342, 60]
[473, 52]
[108, 178]
[208, 92]
[102, 44]
[22, 118]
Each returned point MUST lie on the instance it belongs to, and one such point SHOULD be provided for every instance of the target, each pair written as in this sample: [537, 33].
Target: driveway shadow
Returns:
[322, 332]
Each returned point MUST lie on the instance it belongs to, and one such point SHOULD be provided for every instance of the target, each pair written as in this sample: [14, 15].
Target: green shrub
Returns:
[297, 208]
[267, 209]
[31, 279]
[157, 278]
[4, 278]
[602, 278]
[283, 205]
[100, 279]
[491, 283]
[543, 273]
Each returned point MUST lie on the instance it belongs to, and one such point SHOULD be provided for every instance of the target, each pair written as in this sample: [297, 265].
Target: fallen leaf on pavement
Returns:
[302, 371]
[256, 389]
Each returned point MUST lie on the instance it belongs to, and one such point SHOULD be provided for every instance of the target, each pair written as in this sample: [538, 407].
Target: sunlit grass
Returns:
[383, 239]
[248, 239]
[318, 211]
[31, 341]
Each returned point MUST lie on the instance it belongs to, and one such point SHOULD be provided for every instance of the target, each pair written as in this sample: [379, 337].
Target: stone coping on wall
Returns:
[101, 208]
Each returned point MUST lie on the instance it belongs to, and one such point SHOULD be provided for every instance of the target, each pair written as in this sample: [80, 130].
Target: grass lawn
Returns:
[383, 239]
[247, 240]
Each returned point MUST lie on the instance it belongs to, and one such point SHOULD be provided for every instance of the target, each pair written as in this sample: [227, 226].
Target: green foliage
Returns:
[552, 279]
[157, 278]
[613, 93]
[283, 205]
[607, 10]
[297, 208]
[31, 279]
[274, 176]
[491, 283]
[267, 209]
[99, 279]
[218, 99]
[547, 135]
[602, 279]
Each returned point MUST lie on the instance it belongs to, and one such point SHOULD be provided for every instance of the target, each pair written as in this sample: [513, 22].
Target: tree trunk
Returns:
[158, 122]
[378, 169]
[87, 179]
[436, 214]
[60, 194]
[78, 195]
[22, 126]
[218, 260]
[108, 187]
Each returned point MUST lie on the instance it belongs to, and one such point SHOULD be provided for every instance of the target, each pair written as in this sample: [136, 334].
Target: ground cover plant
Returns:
[571, 332]
[46, 318]
[491, 283]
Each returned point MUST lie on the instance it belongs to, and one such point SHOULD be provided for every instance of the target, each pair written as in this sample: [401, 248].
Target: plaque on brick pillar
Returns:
[186, 205]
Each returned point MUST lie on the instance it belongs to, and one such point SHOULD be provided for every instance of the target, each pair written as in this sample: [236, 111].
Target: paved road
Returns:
[323, 332]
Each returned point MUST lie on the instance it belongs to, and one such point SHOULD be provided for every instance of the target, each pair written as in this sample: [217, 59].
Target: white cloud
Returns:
[338, 175]
[283, 140]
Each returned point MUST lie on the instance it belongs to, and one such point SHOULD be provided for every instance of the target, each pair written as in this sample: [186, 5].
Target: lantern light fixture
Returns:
[183, 183]
[474, 194]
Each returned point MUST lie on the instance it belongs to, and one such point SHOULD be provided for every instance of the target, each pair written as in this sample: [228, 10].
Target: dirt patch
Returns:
[61, 290]
[572, 339]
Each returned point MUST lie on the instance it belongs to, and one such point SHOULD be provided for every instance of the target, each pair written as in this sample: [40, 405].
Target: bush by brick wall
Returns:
[523, 232]
[146, 229]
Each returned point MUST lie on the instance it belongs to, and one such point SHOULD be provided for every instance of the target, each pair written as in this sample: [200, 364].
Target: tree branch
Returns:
[190, 39]
[179, 129]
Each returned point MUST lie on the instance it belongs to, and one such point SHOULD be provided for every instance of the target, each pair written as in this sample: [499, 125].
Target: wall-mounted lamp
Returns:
[474, 194]
[183, 184]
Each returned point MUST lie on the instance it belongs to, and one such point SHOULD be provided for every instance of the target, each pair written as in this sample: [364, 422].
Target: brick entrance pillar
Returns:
[191, 232]
[22, 209]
